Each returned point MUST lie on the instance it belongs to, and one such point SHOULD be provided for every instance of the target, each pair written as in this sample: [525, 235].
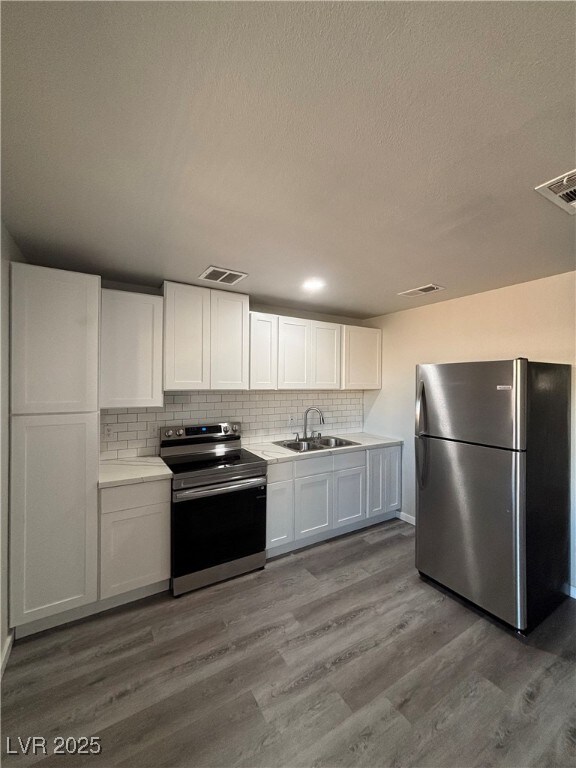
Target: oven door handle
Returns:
[217, 490]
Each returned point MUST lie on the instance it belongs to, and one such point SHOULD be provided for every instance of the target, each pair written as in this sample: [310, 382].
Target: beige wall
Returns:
[534, 320]
[10, 252]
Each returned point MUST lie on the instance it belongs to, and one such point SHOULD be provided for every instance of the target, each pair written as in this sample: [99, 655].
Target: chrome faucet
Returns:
[306, 412]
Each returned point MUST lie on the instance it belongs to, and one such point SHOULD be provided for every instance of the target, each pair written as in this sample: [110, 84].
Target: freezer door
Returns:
[481, 403]
[470, 524]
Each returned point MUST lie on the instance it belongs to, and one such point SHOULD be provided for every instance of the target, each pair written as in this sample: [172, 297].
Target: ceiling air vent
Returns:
[222, 276]
[422, 291]
[561, 191]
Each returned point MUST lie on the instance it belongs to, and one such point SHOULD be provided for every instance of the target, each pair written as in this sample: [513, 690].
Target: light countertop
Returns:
[127, 471]
[147, 468]
[275, 453]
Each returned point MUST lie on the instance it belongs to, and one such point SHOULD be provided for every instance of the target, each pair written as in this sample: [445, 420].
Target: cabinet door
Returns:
[130, 350]
[312, 504]
[349, 496]
[263, 351]
[54, 340]
[376, 481]
[186, 337]
[279, 513]
[229, 341]
[361, 358]
[325, 355]
[293, 353]
[134, 548]
[393, 478]
[54, 515]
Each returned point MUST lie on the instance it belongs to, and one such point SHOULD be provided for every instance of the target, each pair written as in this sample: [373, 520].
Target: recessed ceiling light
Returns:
[313, 284]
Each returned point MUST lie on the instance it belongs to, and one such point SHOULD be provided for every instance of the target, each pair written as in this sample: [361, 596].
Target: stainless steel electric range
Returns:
[218, 504]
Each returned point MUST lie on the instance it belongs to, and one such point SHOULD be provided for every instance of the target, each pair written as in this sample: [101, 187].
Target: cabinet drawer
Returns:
[315, 466]
[277, 473]
[134, 495]
[349, 460]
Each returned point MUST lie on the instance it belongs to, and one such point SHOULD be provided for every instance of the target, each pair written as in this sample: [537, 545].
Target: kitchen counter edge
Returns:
[114, 472]
[275, 454]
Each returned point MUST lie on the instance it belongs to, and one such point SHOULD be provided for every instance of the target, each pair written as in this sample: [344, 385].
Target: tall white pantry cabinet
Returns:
[54, 433]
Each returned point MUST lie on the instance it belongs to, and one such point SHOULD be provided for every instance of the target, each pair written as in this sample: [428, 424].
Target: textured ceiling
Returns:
[379, 146]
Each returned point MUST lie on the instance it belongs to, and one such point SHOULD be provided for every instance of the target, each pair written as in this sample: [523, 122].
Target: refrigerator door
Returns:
[470, 524]
[481, 403]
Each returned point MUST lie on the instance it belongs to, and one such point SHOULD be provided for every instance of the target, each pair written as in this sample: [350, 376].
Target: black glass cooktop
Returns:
[181, 465]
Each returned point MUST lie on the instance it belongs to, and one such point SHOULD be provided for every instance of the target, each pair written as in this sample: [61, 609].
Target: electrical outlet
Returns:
[108, 434]
[291, 421]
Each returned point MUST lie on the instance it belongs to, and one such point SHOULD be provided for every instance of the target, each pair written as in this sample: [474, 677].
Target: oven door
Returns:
[218, 532]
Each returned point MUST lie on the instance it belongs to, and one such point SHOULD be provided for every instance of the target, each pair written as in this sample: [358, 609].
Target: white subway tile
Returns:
[127, 453]
[117, 445]
[108, 455]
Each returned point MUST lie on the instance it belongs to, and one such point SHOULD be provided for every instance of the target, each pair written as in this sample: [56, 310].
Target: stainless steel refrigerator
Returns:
[492, 484]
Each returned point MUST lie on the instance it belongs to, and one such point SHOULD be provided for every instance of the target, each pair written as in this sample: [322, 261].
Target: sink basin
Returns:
[333, 442]
[299, 445]
[317, 444]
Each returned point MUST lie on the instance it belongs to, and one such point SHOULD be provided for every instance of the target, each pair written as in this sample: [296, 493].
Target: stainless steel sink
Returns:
[333, 442]
[316, 444]
[300, 446]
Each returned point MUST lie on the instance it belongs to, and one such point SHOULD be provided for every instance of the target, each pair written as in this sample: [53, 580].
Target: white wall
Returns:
[9, 253]
[536, 320]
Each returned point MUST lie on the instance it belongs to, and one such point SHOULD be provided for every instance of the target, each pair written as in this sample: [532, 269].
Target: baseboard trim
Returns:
[333, 533]
[49, 622]
[6, 651]
[407, 518]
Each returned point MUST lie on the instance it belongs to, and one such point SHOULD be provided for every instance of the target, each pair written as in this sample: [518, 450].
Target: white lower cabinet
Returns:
[393, 478]
[384, 480]
[312, 504]
[280, 513]
[317, 496]
[134, 536]
[54, 515]
[376, 479]
[349, 496]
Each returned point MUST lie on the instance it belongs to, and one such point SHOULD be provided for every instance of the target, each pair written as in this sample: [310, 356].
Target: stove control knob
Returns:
[179, 432]
[226, 429]
[234, 427]
[168, 433]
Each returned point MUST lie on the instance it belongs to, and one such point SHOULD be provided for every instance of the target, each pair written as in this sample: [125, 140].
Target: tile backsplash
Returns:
[129, 432]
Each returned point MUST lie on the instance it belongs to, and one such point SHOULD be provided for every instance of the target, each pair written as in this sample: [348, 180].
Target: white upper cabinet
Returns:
[230, 338]
[294, 353]
[325, 355]
[206, 338]
[54, 514]
[361, 358]
[186, 337]
[263, 351]
[54, 340]
[308, 354]
[130, 350]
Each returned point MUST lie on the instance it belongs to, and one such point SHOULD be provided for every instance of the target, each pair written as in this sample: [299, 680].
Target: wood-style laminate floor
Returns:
[339, 655]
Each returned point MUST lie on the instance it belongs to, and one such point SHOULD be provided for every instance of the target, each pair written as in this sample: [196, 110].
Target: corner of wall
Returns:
[9, 252]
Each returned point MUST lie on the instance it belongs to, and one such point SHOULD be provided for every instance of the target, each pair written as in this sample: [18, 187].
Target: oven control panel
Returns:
[179, 432]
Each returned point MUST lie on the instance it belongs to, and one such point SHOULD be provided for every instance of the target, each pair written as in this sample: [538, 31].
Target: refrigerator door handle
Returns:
[421, 451]
[418, 415]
